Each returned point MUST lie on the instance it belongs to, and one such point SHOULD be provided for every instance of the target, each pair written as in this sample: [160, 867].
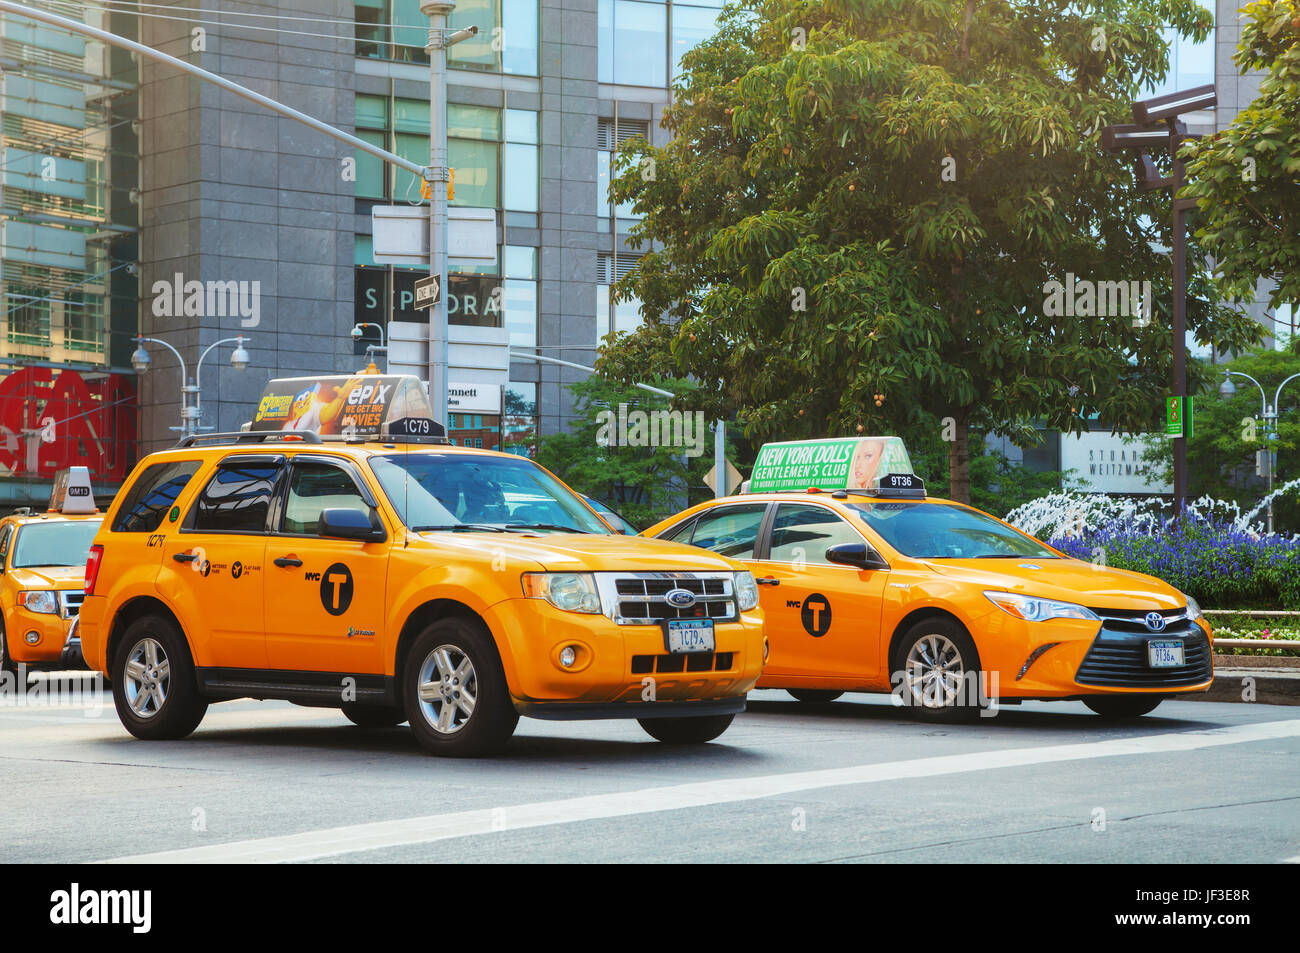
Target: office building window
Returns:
[633, 42]
[610, 134]
[27, 316]
[1190, 63]
[506, 40]
[611, 316]
[693, 23]
[519, 427]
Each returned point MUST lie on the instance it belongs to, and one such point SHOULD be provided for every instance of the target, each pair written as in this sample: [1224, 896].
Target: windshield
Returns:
[473, 492]
[944, 531]
[54, 544]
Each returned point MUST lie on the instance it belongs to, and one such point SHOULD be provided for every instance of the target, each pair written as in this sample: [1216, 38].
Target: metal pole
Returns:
[542, 359]
[720, 459]
[437, 12]
[187, 423]
[1180, 318]
[238, 340]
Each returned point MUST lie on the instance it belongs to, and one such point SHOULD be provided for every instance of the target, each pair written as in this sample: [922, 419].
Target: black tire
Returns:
[487, 728]
[961, 709]
[1122, 706]
[686, 731]
[182, 707]
[814, 696]
[7, 664]
[374, 716]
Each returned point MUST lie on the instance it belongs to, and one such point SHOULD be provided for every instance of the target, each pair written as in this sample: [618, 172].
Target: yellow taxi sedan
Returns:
[884, 589]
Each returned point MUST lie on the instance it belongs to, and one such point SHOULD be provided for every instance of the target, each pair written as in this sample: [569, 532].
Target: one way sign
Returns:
[427, 292]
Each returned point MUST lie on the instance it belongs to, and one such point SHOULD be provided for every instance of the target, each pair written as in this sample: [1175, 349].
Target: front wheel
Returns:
[155, 689]
[939, 663]
[686, 731]
[454, 691]
[1122, 706]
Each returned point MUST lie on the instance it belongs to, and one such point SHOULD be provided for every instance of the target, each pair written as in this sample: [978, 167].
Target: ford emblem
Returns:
[680, 598]
[1155, 621]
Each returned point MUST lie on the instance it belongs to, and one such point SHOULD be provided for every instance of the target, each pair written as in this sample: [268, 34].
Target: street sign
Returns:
[427, 292]
[1179, 417]
[401, 235]
[733, 478]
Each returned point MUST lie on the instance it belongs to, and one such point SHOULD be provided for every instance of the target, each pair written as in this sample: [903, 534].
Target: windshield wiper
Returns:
[458, 528]
[554, 526]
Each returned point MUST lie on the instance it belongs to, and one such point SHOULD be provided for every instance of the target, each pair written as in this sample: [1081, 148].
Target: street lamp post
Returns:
[371, 348]
[191, 411]
[1149, 133]
[1269, 415]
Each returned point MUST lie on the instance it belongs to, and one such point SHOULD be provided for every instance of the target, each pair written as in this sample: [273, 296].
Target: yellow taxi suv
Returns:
[869, 585]
[384, 572]
[42, 567]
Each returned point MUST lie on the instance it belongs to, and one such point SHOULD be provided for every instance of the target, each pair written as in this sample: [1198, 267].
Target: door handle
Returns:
[768, 581]
[285, 561]
[185, 557]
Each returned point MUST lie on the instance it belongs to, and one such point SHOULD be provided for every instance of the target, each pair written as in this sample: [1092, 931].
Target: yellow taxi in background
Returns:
[868, 585]
[42, 571]
[383, 572]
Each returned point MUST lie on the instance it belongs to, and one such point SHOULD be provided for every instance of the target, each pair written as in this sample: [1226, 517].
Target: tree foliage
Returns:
[1246, 178]
[862, 200]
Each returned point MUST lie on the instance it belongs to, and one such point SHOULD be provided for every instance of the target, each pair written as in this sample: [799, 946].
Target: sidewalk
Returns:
[1276, 680]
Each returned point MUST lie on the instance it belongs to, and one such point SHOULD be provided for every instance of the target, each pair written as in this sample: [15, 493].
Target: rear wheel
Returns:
[686, 731]
[1122, 706]
[374, 716]
[155, 690]
[814, 696]
[454, 691]
[938, 663]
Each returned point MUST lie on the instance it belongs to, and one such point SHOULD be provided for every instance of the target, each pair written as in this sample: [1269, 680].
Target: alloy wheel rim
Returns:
[934, 672]
[148, 677]
[448, 687]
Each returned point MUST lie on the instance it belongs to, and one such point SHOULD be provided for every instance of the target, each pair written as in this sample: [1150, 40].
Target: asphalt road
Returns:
[854, 781]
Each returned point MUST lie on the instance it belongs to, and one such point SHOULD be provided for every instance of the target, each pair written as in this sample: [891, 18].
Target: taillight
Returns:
[92, 568]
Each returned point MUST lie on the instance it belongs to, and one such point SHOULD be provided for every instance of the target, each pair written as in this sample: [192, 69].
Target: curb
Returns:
[1258, 685]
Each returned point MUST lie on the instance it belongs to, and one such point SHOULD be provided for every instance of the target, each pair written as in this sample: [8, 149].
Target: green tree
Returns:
[1228, 432]
[863, 202]
[643, 483]
[1246, 178]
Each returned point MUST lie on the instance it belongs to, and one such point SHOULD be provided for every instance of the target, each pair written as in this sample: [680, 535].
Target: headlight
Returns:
[746, 591]
[570, 591]
[38, 600]
[1037, 610]
[1193, 608]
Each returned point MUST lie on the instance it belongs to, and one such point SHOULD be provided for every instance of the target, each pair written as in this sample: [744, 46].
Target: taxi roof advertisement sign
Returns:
[362, 404]
[843, 463]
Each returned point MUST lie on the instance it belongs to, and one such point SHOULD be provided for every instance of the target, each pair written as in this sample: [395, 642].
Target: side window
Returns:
[156, 490]
[681, 532]
[803, 532]
[237, 498]
[314, 487]
[6, 537]
[729, 530]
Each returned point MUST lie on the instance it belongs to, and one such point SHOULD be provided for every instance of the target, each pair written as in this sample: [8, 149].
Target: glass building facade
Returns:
[68, 174]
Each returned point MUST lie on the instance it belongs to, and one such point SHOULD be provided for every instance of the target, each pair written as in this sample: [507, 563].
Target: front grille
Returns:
[70, 601]
[1134, 620]
[695, 662]
[1118, 657]
[640, 599]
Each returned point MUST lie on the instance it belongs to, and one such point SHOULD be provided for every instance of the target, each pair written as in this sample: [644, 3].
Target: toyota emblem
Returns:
[1155, 621]
[680, 598]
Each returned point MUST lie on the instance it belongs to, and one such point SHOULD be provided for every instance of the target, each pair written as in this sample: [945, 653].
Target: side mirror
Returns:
[343, 523]
[856, 555]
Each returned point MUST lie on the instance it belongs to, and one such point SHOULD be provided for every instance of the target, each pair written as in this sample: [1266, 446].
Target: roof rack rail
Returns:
[252, 436]
[387, 438]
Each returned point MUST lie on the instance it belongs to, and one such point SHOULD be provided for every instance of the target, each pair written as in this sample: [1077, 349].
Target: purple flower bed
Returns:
[1218, 565]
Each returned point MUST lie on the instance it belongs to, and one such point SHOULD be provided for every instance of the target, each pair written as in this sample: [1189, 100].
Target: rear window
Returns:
[146, 503]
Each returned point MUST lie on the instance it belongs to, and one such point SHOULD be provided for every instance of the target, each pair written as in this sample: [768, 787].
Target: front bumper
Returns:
[618, 665]
[35, 637]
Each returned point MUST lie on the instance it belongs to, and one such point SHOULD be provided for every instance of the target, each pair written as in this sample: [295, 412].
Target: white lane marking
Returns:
[310, 845]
